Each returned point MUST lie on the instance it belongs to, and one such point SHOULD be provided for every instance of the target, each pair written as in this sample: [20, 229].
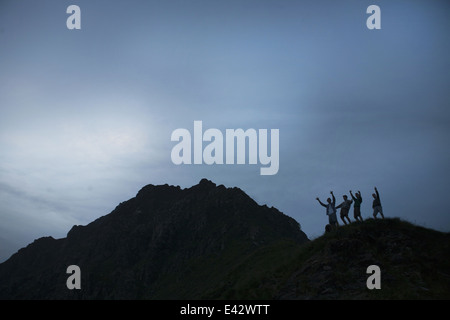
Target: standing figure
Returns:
[331, 210]
[345, 208]
[357, 206]
[376, 205]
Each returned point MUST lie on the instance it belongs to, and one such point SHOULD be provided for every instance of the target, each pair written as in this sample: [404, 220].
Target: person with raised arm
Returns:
[376, 205]
[345, 208]
[357, 199]
[331, 210]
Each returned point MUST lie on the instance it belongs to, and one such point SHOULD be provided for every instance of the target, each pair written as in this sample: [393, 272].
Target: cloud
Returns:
[86, 118]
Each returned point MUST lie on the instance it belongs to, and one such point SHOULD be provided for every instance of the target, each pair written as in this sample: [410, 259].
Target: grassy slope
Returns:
[414, 263]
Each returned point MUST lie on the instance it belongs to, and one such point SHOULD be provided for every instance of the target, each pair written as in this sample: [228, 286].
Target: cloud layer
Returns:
[86, 116]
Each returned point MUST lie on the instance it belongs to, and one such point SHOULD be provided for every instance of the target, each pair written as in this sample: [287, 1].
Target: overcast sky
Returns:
[86, 115]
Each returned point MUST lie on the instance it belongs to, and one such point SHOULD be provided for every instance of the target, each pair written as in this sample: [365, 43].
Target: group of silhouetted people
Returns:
[345, 208]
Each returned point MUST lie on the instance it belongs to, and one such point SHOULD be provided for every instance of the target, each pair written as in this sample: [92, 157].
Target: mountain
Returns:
[165, 243]
[213, 242]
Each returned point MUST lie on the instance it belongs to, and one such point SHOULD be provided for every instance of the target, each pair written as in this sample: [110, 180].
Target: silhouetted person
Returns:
[376, 205]
[357, 206]
[331, 210]
[345, 208]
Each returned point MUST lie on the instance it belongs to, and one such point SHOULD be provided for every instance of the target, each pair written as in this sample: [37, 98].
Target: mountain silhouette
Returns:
[213, 242]
[165, 243]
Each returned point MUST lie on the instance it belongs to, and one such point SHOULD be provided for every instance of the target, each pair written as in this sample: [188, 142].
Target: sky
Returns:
[86, 115]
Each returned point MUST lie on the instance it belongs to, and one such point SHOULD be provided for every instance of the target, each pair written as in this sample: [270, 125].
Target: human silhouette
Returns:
[345, 208]
[376, 205]
[357, 206]
[331, 210]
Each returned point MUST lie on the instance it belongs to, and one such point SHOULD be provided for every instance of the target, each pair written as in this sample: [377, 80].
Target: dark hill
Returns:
[166, 242]
[414, 263]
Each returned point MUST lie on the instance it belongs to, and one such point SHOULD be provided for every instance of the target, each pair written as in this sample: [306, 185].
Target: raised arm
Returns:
[352, 195]
[324, 205]
[376, 191]
[334, 199]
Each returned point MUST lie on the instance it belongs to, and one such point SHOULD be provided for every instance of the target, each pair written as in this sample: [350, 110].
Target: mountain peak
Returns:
[161, 233]
[206, 182]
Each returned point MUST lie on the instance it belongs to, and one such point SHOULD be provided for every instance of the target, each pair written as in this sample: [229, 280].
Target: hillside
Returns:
[165, 243]
[414, 263]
